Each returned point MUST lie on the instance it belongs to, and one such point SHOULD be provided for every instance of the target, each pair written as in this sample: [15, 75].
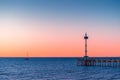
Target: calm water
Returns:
[53, 69]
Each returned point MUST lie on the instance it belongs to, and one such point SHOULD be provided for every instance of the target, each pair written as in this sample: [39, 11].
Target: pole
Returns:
[85, 47]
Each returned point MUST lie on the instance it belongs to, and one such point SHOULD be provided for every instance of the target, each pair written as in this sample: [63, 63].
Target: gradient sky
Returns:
[55, 28]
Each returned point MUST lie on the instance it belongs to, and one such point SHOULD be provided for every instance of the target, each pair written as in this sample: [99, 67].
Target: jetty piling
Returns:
[97, 61]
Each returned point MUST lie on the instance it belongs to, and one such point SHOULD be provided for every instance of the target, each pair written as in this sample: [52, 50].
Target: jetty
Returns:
[104, 61]
[97, 61]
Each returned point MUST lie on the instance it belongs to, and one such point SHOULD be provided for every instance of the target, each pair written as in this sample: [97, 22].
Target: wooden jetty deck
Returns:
[107, 62]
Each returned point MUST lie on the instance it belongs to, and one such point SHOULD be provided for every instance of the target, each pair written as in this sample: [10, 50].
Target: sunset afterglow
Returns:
[56, 28]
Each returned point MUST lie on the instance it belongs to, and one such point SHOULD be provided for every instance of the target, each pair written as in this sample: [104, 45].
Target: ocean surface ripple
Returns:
[53, 69]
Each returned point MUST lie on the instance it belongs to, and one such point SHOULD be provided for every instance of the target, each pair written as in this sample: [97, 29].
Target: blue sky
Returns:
[60, 21]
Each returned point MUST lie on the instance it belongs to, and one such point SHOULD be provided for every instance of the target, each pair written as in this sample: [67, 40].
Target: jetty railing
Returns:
[107, 62]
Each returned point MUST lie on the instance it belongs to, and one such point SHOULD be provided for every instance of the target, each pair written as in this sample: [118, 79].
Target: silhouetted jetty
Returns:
[92, 61]
[104, 61]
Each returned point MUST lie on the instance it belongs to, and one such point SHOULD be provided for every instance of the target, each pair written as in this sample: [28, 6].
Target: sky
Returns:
[56, 28]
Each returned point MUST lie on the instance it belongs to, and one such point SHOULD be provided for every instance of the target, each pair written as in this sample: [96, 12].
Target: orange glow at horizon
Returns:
[70, 48]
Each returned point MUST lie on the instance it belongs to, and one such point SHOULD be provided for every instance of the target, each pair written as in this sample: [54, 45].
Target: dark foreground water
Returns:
[53, 69]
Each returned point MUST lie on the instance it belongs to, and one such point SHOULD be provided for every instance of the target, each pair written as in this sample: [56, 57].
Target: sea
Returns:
[53, 69]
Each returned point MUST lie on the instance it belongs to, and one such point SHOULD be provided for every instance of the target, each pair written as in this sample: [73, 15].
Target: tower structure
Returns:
[86, 37]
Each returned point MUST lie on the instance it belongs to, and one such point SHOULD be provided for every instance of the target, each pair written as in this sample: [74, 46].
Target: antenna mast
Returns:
[86, 37]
